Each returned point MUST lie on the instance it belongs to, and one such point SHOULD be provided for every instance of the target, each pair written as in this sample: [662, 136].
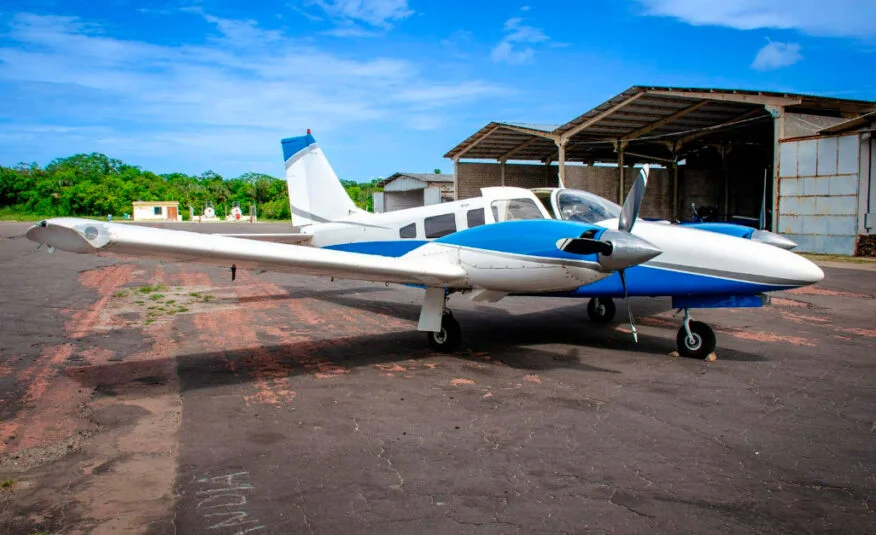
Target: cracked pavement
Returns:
[284, 404]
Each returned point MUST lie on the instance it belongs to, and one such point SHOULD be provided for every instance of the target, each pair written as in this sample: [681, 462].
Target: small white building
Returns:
[408, 190]
[156, 211]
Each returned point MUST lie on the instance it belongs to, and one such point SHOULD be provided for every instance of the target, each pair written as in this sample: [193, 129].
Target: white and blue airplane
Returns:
[502, 244]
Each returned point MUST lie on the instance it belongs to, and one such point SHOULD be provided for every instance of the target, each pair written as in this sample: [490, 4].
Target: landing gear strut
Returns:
[601, 309]
[448, 338]
[695, 339]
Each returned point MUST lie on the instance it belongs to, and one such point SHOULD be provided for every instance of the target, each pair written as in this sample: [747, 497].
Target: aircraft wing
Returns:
[113, 239]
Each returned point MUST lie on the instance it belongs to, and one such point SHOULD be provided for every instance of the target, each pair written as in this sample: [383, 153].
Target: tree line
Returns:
[95, 185]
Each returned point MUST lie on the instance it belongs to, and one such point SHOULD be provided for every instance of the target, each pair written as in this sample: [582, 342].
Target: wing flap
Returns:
[274, 238]
[114, 239]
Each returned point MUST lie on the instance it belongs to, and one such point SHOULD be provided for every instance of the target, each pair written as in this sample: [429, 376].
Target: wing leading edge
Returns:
[114, 239]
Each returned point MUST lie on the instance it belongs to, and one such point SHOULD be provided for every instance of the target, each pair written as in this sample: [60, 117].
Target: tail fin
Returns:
[315, 193]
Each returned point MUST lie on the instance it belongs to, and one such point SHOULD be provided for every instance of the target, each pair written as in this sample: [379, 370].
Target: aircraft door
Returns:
[510, 204]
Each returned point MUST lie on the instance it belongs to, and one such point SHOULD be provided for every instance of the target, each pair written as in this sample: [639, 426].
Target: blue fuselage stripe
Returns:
[642, 280]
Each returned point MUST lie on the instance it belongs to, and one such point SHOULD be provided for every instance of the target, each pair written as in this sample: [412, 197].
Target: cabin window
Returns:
[156, 210]
[440, 225]
[515, 209]
[408, 231]
[475, 217]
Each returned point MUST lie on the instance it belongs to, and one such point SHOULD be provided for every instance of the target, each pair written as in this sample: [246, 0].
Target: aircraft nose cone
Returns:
[806, 272]
[627, 250]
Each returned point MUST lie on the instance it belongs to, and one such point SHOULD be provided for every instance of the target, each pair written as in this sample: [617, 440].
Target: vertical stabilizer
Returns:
[315, 193]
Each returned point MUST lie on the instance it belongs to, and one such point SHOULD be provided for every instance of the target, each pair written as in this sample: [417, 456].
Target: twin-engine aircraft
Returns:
[502, 244]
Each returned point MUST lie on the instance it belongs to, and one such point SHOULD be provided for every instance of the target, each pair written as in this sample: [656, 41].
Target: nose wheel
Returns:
[695, 339]
[448, 338]
[601, 309]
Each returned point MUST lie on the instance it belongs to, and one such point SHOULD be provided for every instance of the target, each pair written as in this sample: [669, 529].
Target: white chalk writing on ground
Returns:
[221, 501]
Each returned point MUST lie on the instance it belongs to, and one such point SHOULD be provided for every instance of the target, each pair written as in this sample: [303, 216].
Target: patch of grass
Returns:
[151, 289]
[149, 320]
[207, 298]
[195, 294]
[182, 309]
[139, 302]
[156, 297]
[170, 301]
[120, 294]
[7, 483]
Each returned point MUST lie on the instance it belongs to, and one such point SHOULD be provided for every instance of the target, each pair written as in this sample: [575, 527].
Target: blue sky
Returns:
[386, 85]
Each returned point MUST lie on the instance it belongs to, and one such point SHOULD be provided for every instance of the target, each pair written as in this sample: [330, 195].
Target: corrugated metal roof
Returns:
[645, 115]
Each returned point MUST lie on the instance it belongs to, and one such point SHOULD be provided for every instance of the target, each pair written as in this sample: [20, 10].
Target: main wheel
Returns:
[703, 342]
[602, 312]
[448, 338]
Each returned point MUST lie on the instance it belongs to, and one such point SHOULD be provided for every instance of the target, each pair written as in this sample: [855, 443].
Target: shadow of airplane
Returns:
[220, 368]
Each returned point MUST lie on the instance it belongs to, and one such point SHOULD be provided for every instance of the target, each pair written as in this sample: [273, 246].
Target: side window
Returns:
[156, 210]
[408, 231]
[475, 217]
[440, 225]
[515, 209]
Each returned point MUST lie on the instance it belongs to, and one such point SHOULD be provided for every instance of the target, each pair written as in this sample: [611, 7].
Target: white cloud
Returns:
[509, 49]
[837, 18]
[776, 55]
[235, 96]
[376, 13]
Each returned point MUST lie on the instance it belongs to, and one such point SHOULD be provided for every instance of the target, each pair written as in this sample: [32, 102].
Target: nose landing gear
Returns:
[695, 339]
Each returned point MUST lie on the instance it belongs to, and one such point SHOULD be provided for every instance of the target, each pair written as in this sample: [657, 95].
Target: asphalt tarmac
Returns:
[142, 397]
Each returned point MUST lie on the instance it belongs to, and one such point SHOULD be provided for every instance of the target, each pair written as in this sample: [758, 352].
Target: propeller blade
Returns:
[585, 246]
[630, 211]
[629, 307]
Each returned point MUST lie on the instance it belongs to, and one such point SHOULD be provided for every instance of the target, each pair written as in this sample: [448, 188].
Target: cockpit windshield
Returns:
[577, 205]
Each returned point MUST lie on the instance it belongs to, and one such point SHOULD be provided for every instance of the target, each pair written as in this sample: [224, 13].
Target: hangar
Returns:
[808, 157]
[408, 190]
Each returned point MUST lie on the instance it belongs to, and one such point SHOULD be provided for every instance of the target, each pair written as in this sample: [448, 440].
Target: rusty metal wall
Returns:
[818, 193]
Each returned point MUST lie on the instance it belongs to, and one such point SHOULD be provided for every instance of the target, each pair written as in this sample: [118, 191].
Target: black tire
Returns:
[604, 313]
[704, 338]
[448, 338]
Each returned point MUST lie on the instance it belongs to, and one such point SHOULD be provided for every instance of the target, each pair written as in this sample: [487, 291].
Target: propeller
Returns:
[618, 249]
[625, 222]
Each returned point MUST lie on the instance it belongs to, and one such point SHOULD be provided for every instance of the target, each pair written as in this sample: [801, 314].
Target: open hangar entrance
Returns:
[718, 149]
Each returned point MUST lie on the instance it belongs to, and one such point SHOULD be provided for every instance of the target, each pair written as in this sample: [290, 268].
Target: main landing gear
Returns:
[601, 309]
[448, 338]
[695, 339]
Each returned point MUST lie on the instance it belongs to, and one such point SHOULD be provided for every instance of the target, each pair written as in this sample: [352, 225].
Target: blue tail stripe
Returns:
[293, 145]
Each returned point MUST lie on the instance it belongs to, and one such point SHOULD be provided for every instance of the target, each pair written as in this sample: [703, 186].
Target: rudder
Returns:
[315, 192]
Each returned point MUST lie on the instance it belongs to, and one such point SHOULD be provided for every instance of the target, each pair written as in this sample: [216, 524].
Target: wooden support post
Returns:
[724, 170]
[620, 172]
[562, 162]
[502, 171]
[778, 113]
[675, 189]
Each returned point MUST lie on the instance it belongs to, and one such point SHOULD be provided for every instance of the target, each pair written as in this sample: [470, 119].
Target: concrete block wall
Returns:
[818, 187]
